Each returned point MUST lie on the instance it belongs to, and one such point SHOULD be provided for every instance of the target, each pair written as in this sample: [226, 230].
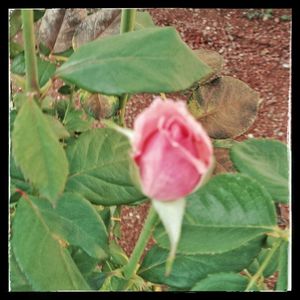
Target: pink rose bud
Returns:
[171, 149]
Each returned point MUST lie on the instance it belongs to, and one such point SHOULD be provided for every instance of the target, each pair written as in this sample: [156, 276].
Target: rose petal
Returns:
[169, 174]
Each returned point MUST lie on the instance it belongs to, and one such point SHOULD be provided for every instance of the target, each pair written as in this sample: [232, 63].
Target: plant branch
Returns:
[123, 100]
[32, 84]
[127, 25]
[131, 267]
[127, 20]
[264, 264]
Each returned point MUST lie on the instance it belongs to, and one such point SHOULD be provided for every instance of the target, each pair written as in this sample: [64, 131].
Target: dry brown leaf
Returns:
[102, 23]
[212, 59]
[58, 27]
[223, 162]
[227, 107]
[101, 106]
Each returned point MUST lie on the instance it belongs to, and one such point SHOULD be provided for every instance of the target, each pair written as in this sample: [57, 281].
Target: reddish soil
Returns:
[255, 51]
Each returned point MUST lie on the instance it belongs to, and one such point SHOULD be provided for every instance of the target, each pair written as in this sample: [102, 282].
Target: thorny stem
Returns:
[127, 25]
[32, 84]
[131, 267]
[265, 263]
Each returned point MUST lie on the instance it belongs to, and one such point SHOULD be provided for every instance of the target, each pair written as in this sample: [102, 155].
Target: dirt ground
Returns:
[256, 51]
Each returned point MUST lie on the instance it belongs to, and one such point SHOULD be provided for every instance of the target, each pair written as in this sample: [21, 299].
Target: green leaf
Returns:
[282, 281]
[16, 177]
[19, 99]
[75, 220]
[222, 282]
[15, 49]
[85, 263]
[96, 279]
[189, 269]
[18, 64]
[147, 60]
[57, 127]
[114, 283]
[143, 20]
[17, 279]
[65, 90]
[48, 104]
[99, 168]
[227, 212]
[41, 254]
[271, 267]
[45, 69]
[105, 215]
[267, 162]
[37, 14]
[12, 117]
[78, 121]
[15, 22]
[61, 107]
[44, 50]
[118, 256]
[37, 151]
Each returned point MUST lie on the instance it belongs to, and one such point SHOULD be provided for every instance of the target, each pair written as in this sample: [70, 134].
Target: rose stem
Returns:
[139, 248]
[32, 84]
[264, 264]
[127, 25]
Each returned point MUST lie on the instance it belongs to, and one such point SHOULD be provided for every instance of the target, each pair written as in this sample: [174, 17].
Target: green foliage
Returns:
[17, 279]
[129, 63]
[267, 162]
[187, 270]
[76, 221]
[77, 121]
[117, 254]
[37, 14]
[63, 234]
[17, 179]
[282, 281]
[34, 143]
[18, 100]
[57, 127]
[227, 212]
[41, 254]
[99, 162]
[15, 22]
[285, 18]
[45, 69]
[271, 267]
[65, 90]
[15, 49]
[222, 282]
[85, 263]
[264, 14]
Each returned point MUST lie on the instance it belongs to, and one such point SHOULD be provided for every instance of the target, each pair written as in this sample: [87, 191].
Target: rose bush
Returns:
[168, 139]
[69, 180]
